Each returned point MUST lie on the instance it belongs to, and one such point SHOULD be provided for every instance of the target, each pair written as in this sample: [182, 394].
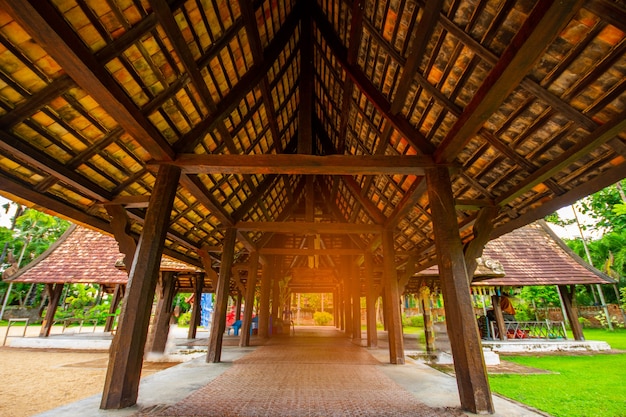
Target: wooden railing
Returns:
[531, 329]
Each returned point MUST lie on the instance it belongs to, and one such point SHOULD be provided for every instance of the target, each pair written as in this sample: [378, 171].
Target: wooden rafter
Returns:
[543, 24]
[70, 52]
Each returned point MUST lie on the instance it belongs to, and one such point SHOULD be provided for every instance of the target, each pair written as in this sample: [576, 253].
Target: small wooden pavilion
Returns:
[530, 255]
[356, 135]
[85, 256]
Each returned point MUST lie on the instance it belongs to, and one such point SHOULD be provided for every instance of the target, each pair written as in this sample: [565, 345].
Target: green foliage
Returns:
[31, 234]
[544, 296]
[584, 322]
[601, 207]
[413, 321]
[184, 319]
[322, 318]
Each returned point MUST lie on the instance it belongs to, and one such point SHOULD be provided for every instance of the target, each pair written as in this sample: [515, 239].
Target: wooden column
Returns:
[218, 325]
[497, 312]
[275, 298]
[264, 303]
[347, 300]
[126, 354]
[392, 301]
[356, 302]
[253, 267]
[370, 301]
[469, 363]
[238, 301]
[196, 309]
[161, 322]
[567, 295]
[336, 310]
[341, 307]
[54, 295]
[429, 331]
[118, 294]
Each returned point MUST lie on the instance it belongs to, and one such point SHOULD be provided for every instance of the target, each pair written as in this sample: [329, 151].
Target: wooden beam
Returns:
[482, 231]
[249, 299]
[567, 295]
[126, 355]
[159, 331]
[54, 296]
[607, 178]
[543, 24]
[301, 164]
[38, 159]
[312, 251]
[307, 79]
[469, 364]
[309, 228]
[42, 22]
[365, 85]
[393, 318]
[370, 301]
[594, 140]
[370, 208]
[252, 78]
[218, 324]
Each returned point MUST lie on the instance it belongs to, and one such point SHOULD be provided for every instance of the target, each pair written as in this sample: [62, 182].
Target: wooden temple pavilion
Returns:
[349, 135]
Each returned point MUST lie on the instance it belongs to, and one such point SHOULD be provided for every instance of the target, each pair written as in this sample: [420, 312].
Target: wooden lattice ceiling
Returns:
[524, 100]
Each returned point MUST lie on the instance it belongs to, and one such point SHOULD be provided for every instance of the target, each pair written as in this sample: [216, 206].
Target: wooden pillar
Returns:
[497, 312]
[238, 302]
[264, 303]
[341, 307]
[218, 325]
[54, 295]
[469, 363]
[118, 294]
[161, 322]
[370, 301]
[126, 354]
[196, 309]
[253, 267]
[429, 331]
[275, 298]
[567, 295]
[356, 302]
[347, 300]
[392, 301]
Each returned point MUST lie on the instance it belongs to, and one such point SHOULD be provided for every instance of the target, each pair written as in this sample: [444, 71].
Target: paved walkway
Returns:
[318, 372]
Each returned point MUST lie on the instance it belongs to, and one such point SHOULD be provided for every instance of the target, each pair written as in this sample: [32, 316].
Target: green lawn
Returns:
[586, 385]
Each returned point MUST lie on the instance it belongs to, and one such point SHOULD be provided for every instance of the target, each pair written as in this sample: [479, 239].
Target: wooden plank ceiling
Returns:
[524, 100]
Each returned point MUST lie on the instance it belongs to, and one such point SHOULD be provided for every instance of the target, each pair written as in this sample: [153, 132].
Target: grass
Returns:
[584, 385]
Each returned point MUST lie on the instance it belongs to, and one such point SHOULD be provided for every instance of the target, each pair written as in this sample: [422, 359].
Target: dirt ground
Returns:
[36, 380]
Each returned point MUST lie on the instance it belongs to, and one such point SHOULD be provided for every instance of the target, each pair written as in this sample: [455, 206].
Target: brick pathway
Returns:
[307, 375]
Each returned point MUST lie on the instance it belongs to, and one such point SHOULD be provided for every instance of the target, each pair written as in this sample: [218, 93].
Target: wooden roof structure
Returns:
[530, 255]
[523, 100]
[85, 256]
[289, 131]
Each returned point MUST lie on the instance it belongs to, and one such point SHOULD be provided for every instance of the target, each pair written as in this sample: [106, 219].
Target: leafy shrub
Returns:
[322, 318]
[184, 319]
[413, 321]
[584, 322]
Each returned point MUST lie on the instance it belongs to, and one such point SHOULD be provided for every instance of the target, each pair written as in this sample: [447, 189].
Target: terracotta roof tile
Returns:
[84, 256]
[534, 255]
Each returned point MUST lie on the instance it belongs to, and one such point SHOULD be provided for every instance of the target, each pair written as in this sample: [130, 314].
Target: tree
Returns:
[31, 233]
